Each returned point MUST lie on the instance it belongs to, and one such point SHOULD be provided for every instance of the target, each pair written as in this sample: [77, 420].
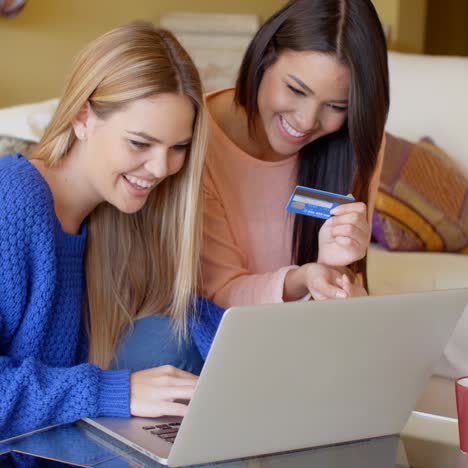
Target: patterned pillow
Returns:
[422, 201]
[12, 145]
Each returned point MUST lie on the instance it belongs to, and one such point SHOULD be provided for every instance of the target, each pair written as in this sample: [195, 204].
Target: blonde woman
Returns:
[100, 227]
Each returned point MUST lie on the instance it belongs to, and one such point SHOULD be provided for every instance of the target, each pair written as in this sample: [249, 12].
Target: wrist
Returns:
[320, 260]
[295, 286]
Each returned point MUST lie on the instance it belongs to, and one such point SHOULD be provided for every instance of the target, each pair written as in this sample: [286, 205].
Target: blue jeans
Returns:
[153, 343]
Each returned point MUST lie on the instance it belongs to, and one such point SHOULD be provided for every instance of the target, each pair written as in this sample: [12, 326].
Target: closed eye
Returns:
[139, 144]
[337, 108]
[183, 147]
[296, 91]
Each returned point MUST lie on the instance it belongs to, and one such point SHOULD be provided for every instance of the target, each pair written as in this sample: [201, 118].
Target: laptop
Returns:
[290, 376]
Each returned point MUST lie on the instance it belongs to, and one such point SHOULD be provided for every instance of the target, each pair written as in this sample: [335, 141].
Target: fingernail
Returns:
[341, 294]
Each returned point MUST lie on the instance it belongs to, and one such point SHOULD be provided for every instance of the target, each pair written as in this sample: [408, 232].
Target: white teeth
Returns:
[140, 183]
[289, 129]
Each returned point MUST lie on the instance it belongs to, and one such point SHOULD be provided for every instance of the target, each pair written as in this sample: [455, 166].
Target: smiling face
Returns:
[302, 96]
[130, 152]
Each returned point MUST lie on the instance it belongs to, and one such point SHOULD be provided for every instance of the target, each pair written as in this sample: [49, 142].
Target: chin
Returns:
[289, 148]
[285, 149]
[128, 208]
[133, 210]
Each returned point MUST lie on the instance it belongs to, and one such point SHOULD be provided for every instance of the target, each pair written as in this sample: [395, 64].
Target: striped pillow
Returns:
[422, 201]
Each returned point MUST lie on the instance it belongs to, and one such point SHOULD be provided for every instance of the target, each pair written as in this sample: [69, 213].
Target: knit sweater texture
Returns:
[44, 377]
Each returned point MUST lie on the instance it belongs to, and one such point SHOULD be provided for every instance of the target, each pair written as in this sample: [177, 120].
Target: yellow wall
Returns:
[411, 35]
[388, 11]
[43, 39]
[407, 21]
[37, 46]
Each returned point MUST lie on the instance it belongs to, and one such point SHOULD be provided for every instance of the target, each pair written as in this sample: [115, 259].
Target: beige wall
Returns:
[44, 37]
[37, 47]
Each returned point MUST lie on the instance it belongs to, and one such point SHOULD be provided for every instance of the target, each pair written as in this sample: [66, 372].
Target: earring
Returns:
[81, 135]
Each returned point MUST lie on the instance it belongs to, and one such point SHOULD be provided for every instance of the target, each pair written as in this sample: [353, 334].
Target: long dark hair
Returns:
[345, 160]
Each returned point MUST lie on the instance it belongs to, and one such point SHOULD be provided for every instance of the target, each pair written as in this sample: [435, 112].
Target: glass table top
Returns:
[428, 442]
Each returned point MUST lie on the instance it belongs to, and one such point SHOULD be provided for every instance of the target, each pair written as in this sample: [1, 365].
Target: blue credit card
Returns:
[315, 203]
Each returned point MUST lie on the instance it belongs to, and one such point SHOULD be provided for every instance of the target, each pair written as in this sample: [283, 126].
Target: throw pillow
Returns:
[422, 201]
[12, 145]
[27, 121]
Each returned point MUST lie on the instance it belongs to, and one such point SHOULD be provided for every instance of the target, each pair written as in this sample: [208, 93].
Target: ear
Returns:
[81, 122]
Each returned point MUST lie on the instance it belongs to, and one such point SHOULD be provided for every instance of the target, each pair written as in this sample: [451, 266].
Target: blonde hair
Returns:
[146, 262]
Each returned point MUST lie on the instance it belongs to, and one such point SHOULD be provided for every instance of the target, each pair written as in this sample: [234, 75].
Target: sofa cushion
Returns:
[405, 272]
[422, 202]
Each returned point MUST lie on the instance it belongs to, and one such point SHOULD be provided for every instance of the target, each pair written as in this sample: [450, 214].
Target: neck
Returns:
[74, 197]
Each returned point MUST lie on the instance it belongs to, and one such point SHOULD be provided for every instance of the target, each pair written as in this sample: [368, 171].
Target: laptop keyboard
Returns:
[167, 431]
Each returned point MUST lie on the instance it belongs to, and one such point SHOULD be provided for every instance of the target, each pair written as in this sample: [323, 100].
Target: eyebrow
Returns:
[306, 88]
[154, 139]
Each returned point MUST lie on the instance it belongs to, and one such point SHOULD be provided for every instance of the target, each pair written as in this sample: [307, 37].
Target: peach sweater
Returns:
[248, 232]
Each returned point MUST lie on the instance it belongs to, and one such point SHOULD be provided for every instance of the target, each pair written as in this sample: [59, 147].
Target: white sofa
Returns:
[428, 97]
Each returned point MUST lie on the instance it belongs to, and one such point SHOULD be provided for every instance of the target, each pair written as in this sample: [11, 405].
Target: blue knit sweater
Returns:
[44, 377]
[42, 341]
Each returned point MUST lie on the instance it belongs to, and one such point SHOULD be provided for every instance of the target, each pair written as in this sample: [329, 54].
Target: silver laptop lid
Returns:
[290, 376]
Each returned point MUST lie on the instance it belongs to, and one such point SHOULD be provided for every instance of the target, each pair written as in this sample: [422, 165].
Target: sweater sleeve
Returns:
[226, 278]
[203, 324]
[35, 395]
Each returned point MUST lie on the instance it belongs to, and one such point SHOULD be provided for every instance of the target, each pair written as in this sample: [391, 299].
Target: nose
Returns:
[308, 117]
[157, 165]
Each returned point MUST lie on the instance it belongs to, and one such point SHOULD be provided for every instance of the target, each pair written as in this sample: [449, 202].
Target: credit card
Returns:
[315, 203]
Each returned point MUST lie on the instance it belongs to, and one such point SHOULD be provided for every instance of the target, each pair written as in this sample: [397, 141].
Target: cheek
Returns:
[333, 122]
[276, 105]
[177, 163]
[273, 98]
[108, 152]
[280, 103]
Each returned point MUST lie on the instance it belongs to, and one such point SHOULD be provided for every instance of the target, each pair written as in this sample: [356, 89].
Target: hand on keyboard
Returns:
[158, 391]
